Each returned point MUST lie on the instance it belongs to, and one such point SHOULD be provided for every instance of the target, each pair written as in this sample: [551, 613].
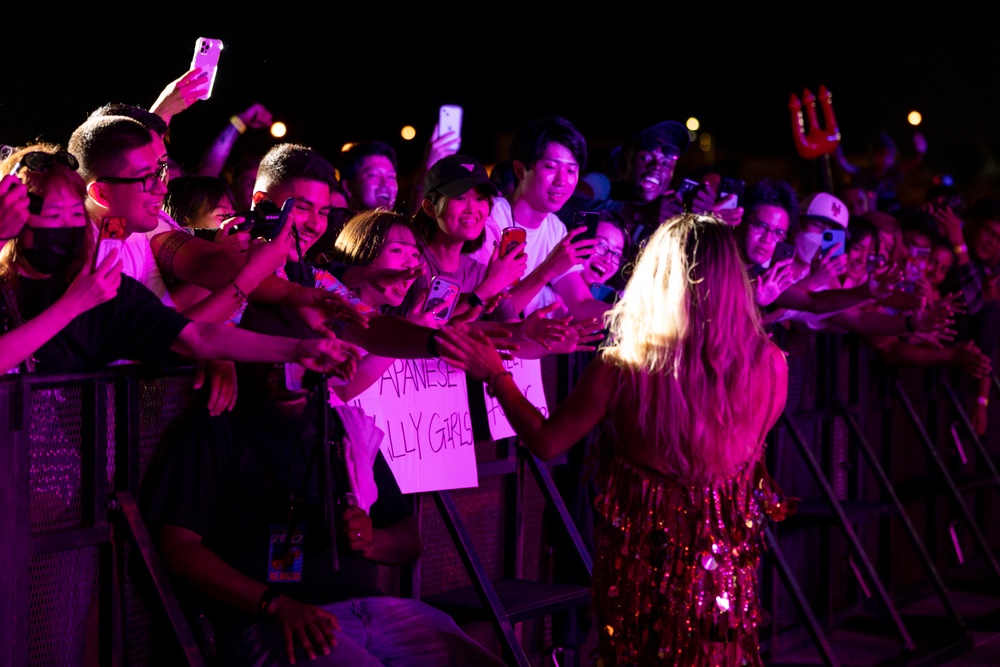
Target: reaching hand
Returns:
[949, 224]
[426, 318]
[568, 253]
[92, 288]
[937, 315]
[826, 268]
[317, 307]
[725, 210]
[303, 624]
[328, 355]
[502, 272]
[968, 359]
[441, 146]
[256, 116]
[222, 384]
[470, 351]
[770, 284]
[181, 93]
[13, 206]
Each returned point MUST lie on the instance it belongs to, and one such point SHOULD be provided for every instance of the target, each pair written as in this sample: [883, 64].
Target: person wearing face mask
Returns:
[118, 318]
[50, 251]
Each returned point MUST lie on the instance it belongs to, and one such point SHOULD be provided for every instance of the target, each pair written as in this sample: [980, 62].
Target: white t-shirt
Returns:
[538, 244]
[138, 261]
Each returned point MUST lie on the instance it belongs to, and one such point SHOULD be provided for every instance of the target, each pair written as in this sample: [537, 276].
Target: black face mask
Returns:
[54, 248]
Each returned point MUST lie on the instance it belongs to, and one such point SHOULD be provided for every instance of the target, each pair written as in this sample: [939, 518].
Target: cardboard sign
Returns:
[527, 375]
[423, 408]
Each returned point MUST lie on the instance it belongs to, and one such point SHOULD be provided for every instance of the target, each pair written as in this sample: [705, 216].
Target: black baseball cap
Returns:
[457, 174]
[669, 136]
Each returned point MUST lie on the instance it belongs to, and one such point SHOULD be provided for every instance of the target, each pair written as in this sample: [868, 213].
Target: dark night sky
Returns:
[334, 80]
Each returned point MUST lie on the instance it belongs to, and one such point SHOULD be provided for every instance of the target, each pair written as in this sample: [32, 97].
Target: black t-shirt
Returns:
[229, 479]
[133, 325]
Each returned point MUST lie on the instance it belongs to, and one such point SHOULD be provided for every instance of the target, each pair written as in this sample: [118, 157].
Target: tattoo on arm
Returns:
[168, 250]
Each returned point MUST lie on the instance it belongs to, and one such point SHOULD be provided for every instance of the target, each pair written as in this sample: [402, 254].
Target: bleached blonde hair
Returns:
[686, 337]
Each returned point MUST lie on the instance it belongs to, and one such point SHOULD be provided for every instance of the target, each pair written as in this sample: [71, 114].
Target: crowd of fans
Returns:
[110, 255]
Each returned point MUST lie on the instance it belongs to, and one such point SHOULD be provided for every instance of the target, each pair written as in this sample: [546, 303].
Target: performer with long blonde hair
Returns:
[684, 393]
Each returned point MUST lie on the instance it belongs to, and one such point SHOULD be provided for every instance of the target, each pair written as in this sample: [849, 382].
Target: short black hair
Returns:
[772, 192]
[286, 162]
[100, 144]
[149, 120]
[352, 159]
[531, 139]
[193, 196]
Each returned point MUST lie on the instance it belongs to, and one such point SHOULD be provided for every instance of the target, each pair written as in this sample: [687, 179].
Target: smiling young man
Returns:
[368, 176]
[548, 154]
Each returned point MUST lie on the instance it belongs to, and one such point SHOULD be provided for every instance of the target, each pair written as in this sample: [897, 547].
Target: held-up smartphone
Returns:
[110, 237]
[450, 120]
[206, 56]
[586, 219]
[782, 251]
[444, 292]
[511, 238]
[832, 237]
[731, 186]
[916, 266]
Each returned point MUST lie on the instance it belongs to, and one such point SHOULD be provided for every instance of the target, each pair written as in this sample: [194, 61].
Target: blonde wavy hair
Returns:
[686, 337]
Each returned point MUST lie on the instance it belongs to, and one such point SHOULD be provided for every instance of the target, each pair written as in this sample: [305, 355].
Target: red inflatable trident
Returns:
[817, 141]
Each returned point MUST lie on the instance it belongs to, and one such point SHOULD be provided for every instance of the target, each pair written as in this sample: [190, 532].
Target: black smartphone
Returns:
[731, 186]
[782, 251]
[586, 219]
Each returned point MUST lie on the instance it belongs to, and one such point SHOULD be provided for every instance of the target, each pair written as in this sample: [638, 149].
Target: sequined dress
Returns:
[675, 578]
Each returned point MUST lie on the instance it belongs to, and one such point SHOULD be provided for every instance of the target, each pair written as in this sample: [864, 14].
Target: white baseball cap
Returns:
[827, 207]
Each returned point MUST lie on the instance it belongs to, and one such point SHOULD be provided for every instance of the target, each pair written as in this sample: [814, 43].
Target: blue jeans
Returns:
[374, 632]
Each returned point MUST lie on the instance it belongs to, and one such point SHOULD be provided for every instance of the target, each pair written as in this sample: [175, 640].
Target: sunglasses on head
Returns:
[41, 161]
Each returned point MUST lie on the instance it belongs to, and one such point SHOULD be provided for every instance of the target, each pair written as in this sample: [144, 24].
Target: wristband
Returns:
[491, 384]
[266, 600]
[983, 401]
[238, 123]
[961, 249]
[432, 348]
[473, 300]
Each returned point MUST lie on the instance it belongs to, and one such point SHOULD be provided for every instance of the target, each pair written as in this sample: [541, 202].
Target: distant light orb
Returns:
[914, 118]
[692, 124]
[278, 130]
[705, 142]
[408, 132]
[346, 147]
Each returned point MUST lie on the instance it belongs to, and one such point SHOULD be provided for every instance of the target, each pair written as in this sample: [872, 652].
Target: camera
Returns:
[266, 220]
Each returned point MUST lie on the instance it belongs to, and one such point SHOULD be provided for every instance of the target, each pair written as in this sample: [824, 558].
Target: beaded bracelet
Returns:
[491, 384]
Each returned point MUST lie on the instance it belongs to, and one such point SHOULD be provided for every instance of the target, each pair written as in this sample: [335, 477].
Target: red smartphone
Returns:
[110, 236]
[510, 239]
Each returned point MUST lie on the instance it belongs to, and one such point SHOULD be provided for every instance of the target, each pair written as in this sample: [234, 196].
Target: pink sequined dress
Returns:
[675, 578]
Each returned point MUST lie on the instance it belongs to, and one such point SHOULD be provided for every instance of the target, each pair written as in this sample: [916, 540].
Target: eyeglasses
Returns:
[776, 232]
[147, 182]
[601, 248]
[41, 161]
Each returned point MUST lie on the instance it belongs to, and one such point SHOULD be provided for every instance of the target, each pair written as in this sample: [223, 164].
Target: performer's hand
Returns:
[303, 624]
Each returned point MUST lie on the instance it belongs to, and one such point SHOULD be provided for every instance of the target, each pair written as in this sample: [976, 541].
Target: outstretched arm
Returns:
[571, 420]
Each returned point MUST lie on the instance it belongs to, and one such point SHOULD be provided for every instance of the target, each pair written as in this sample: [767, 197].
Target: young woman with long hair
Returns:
[684, 393]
